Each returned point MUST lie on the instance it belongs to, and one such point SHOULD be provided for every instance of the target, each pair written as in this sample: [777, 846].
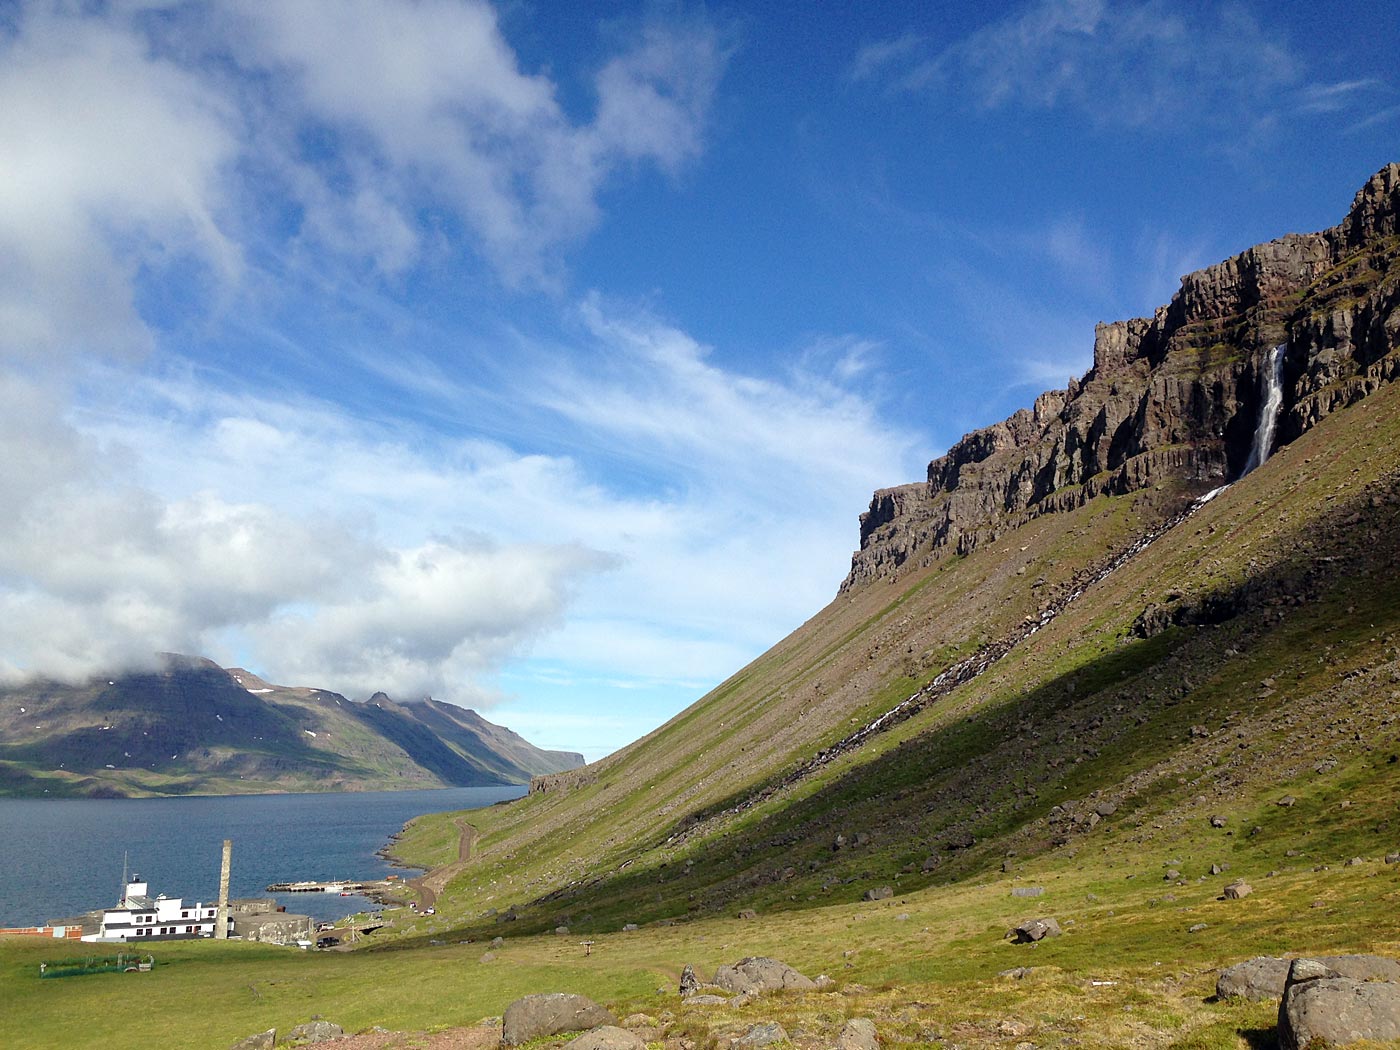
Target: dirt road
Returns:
[431, 883]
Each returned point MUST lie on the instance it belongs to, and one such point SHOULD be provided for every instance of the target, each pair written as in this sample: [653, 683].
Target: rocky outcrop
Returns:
[1265, 977]
[1171, 401]
[607, 1037]
[567, 780]
[1322, 1008]
[551, 1013]
[257, 1041]
[758, 976]
[315, 1032]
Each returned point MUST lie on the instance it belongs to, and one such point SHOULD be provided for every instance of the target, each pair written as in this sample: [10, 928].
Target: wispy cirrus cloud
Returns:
[1119, 63]
[185, 509]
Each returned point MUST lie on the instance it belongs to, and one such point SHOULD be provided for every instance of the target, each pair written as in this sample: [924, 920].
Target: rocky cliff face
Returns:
[1171, 401]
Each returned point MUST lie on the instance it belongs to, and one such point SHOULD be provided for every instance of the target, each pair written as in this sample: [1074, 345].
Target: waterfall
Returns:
[1271, 386]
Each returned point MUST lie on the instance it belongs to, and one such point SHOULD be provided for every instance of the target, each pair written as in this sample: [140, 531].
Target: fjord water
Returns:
[61, 857]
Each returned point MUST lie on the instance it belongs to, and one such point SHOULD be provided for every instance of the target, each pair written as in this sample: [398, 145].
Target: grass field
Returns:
[1128, 970]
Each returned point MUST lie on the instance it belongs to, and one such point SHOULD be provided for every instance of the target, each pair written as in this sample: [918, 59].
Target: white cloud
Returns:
[141, 141]
[433, 103]
[652, 389]
[182, 511]
[874, 58]
[98, 570]
[438, 619]
[1134, 64]
[111, 158]
[198, 153]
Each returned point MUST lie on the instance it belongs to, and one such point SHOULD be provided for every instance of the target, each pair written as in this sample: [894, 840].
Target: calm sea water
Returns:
[61, 857]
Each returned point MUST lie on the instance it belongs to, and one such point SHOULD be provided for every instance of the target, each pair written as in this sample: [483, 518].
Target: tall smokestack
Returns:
[221, 924]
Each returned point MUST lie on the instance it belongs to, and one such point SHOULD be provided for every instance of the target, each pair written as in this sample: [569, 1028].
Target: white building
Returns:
[140, 917]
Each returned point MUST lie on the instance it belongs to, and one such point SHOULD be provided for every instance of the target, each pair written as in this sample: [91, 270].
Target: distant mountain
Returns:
[193, 727]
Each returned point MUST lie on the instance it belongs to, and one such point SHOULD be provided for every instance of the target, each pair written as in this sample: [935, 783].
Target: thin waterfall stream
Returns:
[1272, 383]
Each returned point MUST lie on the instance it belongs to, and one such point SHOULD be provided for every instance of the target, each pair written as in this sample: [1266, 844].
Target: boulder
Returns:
[1034, 930]
[1238, 889]
[550, 1013]
[1322, 1010]
[1265, 977]
[756, 976]
[706, 1000]
[1254, 979]
[690, 984]
[257, 1041]
[765, 1034]
[858, 1034]
[315, 1032]
[1027, 891]
[607, 1037]
[748, 913]
[498, 942]
[879, 893]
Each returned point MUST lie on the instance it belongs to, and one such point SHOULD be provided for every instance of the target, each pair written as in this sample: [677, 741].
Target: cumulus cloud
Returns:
[141, 141]
[98, 570]
[111, 159]
[437, 108]
[437, 619]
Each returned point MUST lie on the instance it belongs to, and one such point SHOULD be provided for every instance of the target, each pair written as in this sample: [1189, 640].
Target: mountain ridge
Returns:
[194, 727]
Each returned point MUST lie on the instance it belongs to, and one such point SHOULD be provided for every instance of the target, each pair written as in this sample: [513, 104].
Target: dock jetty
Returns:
[371, 888]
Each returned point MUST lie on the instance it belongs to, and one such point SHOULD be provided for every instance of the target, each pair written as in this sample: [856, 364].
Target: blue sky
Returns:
[541, 357]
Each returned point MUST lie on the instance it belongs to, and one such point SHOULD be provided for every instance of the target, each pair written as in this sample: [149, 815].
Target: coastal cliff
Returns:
[1171, 401]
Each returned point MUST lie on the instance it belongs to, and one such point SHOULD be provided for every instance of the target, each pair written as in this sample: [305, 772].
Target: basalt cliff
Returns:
[1172, 400]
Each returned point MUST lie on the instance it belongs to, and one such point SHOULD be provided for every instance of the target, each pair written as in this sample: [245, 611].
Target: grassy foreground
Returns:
[1128, 971]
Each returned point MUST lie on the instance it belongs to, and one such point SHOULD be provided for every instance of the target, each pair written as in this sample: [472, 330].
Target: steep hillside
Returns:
[1044, 648]
[193, 727]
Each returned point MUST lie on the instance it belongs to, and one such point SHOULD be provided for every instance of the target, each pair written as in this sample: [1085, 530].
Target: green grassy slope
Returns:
[1219, 669]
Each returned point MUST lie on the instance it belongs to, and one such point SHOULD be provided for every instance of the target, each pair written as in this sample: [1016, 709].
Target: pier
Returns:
[339, 886]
